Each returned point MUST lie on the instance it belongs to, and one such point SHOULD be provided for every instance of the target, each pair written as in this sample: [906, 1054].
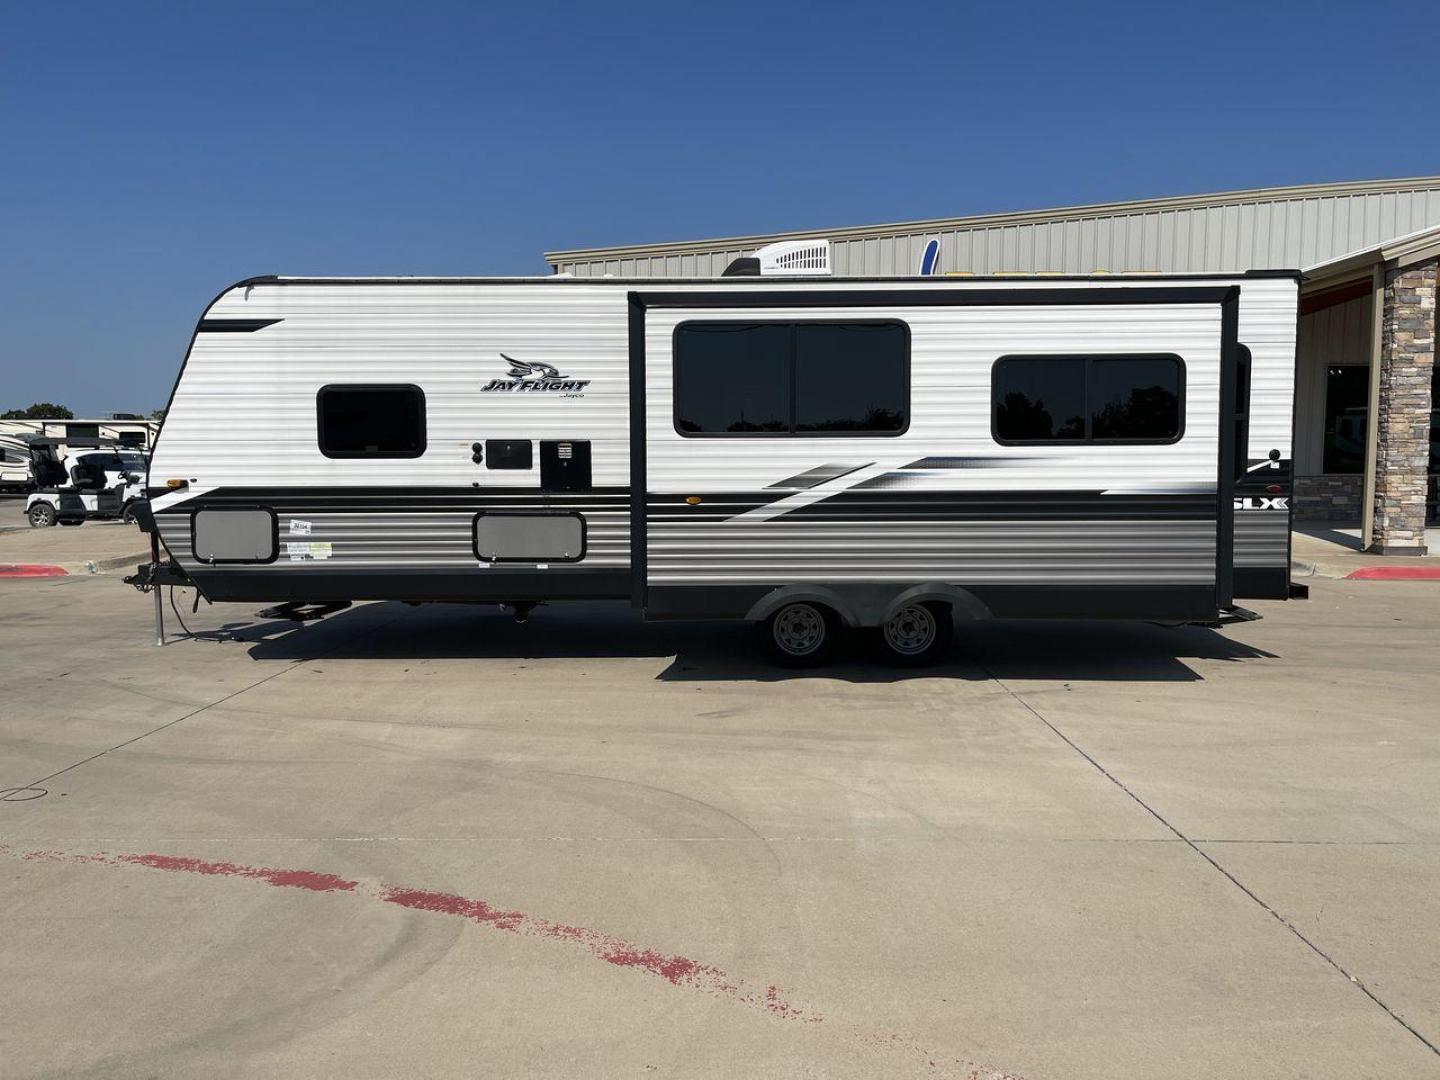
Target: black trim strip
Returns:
[234, 326]
[639, 558]
[496, 583]
[1182, 603]
[821, 474]
[951, 297]
[910, 505]
[1225, 480]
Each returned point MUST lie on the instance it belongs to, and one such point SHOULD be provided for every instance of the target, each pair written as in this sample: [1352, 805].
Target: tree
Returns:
[41, 410]
[157, 414]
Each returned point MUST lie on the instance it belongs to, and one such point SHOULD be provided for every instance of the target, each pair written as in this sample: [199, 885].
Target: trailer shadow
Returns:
[717, 652]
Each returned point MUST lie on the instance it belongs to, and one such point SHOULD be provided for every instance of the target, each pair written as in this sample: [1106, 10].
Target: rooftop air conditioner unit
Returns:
[798, 257]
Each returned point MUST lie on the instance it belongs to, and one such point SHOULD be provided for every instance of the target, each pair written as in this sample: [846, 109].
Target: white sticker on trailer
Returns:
[299, 527]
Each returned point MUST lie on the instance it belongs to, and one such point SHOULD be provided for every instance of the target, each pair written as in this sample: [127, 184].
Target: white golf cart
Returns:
[97, 478]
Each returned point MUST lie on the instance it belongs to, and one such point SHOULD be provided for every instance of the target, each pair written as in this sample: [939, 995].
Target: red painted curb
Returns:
[30, 570]
[1396, 573]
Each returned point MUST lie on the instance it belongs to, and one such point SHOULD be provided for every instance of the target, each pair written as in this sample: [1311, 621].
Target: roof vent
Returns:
[797, 257]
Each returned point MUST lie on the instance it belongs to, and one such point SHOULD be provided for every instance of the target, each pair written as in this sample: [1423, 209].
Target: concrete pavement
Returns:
[590, 846]
[78, 549]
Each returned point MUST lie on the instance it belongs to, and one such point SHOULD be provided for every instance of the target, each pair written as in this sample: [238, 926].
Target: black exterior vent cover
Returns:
[745, 266]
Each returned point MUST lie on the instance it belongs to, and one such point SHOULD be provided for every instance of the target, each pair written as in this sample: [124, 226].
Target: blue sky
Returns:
[154, 153]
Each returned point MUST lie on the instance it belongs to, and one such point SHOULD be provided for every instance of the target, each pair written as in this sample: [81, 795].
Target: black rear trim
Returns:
[235, 326]
[450, 584]
[1163, 603]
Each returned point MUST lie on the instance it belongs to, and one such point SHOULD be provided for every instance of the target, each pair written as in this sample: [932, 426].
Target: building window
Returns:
[847, 378]
[82, 431]
[1347, 406]
[1095, 399]
[371, 421]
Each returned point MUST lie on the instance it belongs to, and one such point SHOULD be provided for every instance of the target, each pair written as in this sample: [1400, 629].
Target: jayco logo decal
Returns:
[528, 376]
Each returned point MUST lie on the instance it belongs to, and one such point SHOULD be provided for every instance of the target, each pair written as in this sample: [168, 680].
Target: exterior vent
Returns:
[800, 257]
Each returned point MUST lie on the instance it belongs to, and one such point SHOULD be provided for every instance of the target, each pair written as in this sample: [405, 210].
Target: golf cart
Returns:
[100, 478]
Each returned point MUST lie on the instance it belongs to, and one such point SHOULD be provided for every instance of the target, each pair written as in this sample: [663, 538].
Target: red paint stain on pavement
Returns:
[1395, 573]
[285, 879]
[30, 570]
[674, 969]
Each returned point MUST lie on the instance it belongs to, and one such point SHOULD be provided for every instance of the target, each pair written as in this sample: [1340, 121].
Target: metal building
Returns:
[1369, 250]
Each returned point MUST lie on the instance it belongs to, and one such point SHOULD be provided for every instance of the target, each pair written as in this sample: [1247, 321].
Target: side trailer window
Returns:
[732, 378]
[1095, 399]
[792, 378]
[356, 421]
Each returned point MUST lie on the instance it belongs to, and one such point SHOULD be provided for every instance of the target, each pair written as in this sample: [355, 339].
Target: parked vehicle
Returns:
[97, 478]
[14, 465]
[807, 453]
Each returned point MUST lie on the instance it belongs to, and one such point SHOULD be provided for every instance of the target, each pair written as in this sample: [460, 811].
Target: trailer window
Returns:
[371, 421]
[792, 378]
[732, 378]
[1097, 399]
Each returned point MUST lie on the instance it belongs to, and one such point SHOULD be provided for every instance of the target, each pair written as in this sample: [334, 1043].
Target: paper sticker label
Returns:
[320, 550]
[301, 549]
[299, 528]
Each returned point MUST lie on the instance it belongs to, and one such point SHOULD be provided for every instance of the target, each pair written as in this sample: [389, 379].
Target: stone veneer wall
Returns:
[1407, 360]
[1334, 497]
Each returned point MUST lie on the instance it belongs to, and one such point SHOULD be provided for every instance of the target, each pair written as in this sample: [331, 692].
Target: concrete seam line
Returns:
[1193, 846]
[218, 701]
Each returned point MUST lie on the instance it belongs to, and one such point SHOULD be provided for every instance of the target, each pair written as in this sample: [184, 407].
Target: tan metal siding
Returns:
[1230, 234]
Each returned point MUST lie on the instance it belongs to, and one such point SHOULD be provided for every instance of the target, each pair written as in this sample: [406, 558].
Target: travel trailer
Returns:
[806, 452]
[14, 464]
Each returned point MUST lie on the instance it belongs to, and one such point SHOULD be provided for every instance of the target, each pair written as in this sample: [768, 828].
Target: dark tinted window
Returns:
[851, 377]
[1039, 399]
[1135, 399]
[1242, 411]
[1087, 398]
[784, 378]
[732, 378]
[1347, 406]
[371, 421]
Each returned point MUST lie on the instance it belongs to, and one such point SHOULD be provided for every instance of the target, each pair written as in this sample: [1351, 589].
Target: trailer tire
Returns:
[801, 634]
[41, 515]
[916, 634]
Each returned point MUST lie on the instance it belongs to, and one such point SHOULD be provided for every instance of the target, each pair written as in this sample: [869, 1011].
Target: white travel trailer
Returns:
[808, 453]
[14, 464]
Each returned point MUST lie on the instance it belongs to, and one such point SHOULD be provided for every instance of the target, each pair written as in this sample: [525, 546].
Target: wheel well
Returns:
[870, 605]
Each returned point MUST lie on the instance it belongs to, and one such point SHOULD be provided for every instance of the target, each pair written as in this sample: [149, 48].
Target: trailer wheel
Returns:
[801, 634]
[41, 515]
[917, 634]
[127, 514]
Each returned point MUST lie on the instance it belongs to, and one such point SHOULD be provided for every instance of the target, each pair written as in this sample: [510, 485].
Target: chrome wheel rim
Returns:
[799, 629]
[911, 630]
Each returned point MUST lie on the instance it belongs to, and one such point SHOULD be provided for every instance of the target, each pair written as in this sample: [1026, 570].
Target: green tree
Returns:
[41, 410]
[157, 414]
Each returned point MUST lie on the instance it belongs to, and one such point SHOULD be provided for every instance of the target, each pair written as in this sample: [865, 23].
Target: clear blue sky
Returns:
[153, 153]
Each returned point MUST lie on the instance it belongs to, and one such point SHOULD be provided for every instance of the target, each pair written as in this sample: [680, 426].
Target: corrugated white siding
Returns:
[244, 418]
